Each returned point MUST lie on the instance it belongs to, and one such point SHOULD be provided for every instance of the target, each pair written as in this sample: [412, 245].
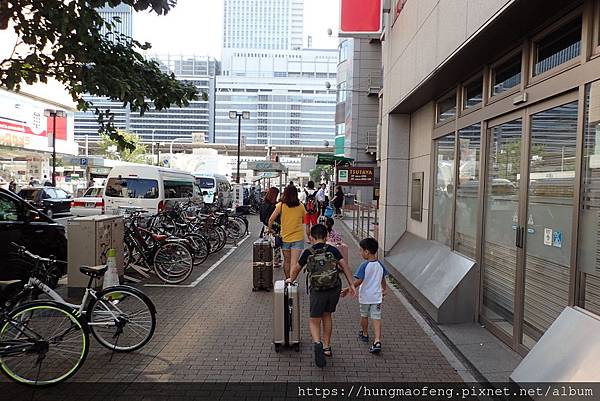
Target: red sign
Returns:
[360, 16]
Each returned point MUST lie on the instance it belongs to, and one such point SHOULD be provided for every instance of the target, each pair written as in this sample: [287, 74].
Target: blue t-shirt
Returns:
[371, 273]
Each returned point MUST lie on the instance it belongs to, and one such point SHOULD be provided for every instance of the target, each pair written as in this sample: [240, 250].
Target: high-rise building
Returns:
[263, 24]
[285, 92]
[124, 19]
[164, 125]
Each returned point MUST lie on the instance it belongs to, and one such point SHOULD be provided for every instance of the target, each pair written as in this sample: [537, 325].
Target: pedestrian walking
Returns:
[371, 284]
[338, 201]
[321, 197]
[324, 263]
[332, 235]
[266, 210]
[308, 198]
[291, 214]
[47, 182]
[12, 185]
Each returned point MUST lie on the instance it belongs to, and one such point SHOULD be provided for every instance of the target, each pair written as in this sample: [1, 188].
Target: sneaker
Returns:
[375, 348]
[319, 355]
[362, 337]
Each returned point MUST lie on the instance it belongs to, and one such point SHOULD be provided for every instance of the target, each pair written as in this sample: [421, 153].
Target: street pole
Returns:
[54, 149]
[239, 116]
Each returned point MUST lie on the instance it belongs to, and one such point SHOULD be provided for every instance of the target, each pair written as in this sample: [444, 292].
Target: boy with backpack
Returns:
[311, 206]
[371, 284]
[324, 263]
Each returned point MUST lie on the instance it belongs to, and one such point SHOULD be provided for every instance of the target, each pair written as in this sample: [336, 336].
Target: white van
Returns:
[215, 186]
[148, 187]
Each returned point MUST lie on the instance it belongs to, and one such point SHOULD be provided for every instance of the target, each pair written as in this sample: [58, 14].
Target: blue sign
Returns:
[557, 239]
[83, 161]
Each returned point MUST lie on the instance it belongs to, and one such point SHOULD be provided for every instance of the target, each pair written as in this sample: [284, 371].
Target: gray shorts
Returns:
[372, 311]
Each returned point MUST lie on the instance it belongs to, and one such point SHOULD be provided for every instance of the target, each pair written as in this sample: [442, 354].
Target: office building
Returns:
[285, 92]
[163, 125]
[489, 165]
[263, 24]
[121, 15]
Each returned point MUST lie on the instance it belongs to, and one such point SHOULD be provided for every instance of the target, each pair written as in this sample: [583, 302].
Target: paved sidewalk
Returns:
[220, 331]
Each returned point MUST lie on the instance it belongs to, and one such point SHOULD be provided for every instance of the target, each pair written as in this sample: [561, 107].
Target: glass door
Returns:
[550, 198]
[500, 252]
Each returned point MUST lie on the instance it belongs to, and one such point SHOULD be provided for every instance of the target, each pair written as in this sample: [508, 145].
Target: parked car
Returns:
[89, 204]
[49, 200]
[25, 225]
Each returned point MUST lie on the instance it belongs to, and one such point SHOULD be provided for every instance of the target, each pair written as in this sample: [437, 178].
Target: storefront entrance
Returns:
[528, 223]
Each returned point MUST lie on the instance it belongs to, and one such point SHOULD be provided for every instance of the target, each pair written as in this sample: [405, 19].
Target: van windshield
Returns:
[205, 182]
[132, 188]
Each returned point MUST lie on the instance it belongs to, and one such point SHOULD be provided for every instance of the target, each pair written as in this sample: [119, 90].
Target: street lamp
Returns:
[246, 116]
[173, 141]
[54, 113]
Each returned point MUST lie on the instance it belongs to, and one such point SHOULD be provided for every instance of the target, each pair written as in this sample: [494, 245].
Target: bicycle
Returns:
[171, 258]
[41, 342]
[121, 318]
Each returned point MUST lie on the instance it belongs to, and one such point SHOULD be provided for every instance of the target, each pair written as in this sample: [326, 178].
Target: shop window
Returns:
[557, 47]
[446, 109]
[443, 191]
[588, 260]
[472, 93]
[469, 145]
[506, 75]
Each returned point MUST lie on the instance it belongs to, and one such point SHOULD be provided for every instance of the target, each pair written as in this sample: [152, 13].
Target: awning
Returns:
[330, 160]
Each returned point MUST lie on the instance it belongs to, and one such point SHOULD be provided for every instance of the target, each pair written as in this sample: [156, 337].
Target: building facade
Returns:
[263, 24]
[121, 16]
[285, 92]
[489, 153]
[163, 125]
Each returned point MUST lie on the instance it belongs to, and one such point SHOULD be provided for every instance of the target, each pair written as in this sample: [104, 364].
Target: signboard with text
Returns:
[360, 17]
[358, 176]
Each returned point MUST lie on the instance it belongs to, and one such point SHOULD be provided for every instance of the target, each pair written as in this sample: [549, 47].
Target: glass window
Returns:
[132, 188]
[507, 75]
[443, 193]
[557, 47]
[9, 210]
[29, 194]
[93, 193]
[60, 194]
[178, 189]
[205, 182]
[588, 260]
[446, 109]
[469, 145]
[473, 93]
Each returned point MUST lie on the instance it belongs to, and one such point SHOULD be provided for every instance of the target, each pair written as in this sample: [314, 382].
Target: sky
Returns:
[196, 27]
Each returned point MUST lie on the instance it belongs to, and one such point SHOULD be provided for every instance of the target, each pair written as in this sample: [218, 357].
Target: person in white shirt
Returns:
[371, 284]
[321, 197]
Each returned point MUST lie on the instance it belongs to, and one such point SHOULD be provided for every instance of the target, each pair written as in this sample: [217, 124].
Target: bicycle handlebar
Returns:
[21, 250]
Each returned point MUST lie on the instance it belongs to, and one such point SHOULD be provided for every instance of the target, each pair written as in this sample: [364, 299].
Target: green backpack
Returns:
[322, 269]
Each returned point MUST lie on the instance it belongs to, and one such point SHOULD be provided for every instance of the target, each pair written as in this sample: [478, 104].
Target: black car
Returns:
[25, 225]
[49, 200]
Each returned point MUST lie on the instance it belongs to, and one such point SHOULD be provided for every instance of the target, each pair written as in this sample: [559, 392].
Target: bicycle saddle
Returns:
[93, 271]
[159, 237]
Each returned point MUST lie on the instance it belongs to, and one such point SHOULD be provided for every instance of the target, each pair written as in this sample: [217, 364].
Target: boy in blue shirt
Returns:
[371, 284]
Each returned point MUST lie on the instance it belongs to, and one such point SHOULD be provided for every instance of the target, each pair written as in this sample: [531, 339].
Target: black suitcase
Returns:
[262, 265]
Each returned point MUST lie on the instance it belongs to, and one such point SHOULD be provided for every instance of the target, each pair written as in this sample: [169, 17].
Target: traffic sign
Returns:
[83, 161]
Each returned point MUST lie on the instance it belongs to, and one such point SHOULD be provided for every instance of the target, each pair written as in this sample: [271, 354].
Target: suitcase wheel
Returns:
[277, 347]
[297, 347]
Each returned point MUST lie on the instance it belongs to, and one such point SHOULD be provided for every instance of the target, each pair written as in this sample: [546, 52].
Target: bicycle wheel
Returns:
[199, 247]
[214, 239]
[42, 343]
[222, 237]
[235, 229]
[173, 262]
[121, 318]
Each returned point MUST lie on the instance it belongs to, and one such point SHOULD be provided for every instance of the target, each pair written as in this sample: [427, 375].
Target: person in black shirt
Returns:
[322, 302]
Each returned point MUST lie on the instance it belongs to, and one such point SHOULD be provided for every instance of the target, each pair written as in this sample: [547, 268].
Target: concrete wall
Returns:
[425, 33]
[420, 161]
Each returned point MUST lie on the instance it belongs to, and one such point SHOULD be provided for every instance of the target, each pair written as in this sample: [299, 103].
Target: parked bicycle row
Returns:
[171, 243]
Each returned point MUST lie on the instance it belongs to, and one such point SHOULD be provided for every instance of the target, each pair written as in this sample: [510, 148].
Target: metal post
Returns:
[362, 222]
[237, 178]
[369, 221]
[54, 149]
[86, 145]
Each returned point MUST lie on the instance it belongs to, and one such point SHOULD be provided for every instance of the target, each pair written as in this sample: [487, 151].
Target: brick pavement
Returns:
[220, 331]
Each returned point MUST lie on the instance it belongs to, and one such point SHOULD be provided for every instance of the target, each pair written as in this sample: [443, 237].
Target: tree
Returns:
[315, 175]
[109, 148]
[63, 40]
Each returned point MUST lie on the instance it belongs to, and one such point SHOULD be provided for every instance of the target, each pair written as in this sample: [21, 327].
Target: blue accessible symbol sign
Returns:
[557, 239]
[83, 161]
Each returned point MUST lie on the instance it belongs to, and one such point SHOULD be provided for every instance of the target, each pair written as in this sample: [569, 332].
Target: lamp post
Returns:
[246, 116]
[54, 113]
[173, 141]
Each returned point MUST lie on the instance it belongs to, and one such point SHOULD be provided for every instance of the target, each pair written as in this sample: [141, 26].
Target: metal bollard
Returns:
[369, 221]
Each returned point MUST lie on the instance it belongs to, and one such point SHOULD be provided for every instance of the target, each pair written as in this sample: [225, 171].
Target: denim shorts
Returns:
[286, 246]
[372, 311]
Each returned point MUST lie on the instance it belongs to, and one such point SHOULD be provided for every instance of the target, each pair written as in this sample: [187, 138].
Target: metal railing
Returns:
[365, 221]
[371, 145]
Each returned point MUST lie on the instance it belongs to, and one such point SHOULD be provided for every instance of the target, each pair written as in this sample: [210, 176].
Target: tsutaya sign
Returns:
[24, 125]
[360, 17]
[356, 176]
